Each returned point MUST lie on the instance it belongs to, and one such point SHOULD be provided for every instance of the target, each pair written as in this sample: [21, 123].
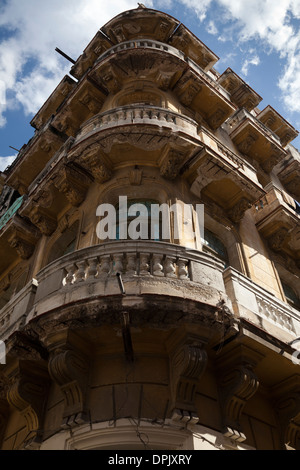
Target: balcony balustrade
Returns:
[255, 140]
[137, 114]
[260, 307]
[148, 268]
[278, 222]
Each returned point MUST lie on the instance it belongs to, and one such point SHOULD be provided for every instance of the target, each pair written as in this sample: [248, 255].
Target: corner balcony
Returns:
[167, 68]
[33, 157]
[241, 93]
[289, 173]
[256, 305]
[278, 222]
[255, 140]
[164, 284]
[116, 137]
[277, 124]
[161, 119]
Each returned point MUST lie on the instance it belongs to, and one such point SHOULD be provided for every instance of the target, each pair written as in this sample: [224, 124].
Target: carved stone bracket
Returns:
[237, 384]
[171, 163]
[22, 237]
[277, 239]
[69, 368]
[287, 405]
[94, 162]
[43, 220]
[187, 364]
[236, 213]
[28, 390]
[73, 182]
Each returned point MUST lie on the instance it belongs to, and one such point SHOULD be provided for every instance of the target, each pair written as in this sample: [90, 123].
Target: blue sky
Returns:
[258, 39]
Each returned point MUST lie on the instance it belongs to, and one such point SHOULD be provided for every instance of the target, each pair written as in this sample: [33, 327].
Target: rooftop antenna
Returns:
[65, 56]
[14, 148]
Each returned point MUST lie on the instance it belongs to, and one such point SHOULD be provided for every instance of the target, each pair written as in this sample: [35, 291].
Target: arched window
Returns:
[213, 245]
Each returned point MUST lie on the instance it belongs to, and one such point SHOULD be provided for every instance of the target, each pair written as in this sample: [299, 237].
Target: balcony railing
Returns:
[151, 44]
[137, 114]
[259, 306]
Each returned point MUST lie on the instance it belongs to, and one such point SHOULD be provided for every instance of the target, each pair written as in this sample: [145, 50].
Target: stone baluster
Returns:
[144, 264]
[93, 268]
[80, 274]
[104, 266]
[170, 270]
[158, 269]
[71, 269]
[182, 268]
[131, 268]
[117, 263]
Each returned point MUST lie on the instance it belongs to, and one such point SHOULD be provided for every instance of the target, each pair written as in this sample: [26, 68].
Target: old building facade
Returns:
[151, 343]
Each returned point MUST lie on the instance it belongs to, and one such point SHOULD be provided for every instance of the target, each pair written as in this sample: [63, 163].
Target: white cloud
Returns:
[255, 60]
[34, 29]
[200, 8]
[211, 28]
[6, 161]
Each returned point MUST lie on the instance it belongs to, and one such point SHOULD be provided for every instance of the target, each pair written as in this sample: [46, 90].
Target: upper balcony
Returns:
[278, 222]
[255, 140]
[241, 93]
[272, 119]
[50, 106]
[289, 172]
[168, 69]
[33, 157]
[261, 308]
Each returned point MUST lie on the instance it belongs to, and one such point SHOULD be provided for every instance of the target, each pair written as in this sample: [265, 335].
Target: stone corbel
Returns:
[237, 384]
[278, 239]
[42, 219]
[217, 118]
[236, 213]
[272, 161]
[22, 237]
[91, 103]
[188, 360]
[94, 162]
[27, 393]
[247, 143]
[73, 182]
[69, 368]
[287, 405]
[171, 164]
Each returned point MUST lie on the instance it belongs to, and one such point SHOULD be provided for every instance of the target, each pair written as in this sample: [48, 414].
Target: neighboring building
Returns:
[200, 349]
